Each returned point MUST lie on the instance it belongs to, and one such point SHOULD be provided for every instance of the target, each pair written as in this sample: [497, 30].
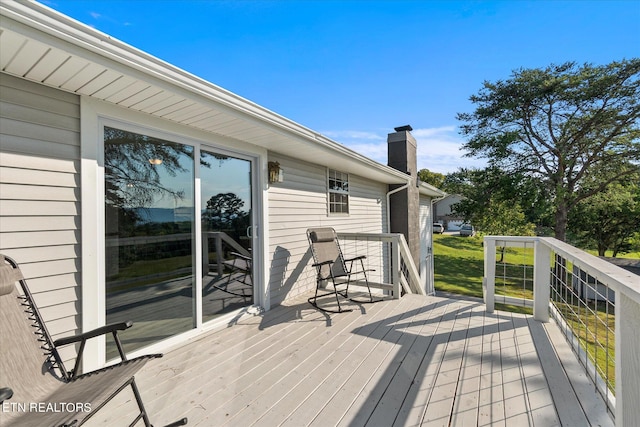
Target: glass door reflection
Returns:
[149, 224]
[227, 260]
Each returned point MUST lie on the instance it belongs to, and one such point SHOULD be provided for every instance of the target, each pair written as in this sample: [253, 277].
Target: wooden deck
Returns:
[415, 361]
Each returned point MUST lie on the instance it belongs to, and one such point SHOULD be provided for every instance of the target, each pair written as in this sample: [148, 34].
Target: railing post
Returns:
[541, 277]
[627, 360]
[489, 280]
[395, 266]
[219, 257]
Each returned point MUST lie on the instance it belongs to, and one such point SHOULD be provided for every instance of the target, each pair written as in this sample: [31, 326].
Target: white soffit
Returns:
[42, 45]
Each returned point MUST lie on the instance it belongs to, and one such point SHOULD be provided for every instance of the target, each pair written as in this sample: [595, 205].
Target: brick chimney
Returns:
[405, 204]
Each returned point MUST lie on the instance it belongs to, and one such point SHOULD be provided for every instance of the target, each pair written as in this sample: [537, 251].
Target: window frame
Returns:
[343, 177]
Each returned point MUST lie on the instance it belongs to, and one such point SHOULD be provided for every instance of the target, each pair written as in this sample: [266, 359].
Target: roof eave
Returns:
[107, 51]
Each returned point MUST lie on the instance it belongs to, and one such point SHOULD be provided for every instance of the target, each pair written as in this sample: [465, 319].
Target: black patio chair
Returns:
[239, 280]
[331, 265]
[39, 389]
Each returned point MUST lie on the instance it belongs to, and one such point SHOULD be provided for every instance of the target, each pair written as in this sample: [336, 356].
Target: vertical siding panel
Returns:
[426, 250]
[39, 195]
[300, 202]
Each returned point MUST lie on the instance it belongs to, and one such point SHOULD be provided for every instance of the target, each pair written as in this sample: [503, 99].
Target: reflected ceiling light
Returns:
[155, 161]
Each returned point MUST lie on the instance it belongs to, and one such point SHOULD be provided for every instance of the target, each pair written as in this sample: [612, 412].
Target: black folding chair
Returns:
[331, 265]
[33, 373]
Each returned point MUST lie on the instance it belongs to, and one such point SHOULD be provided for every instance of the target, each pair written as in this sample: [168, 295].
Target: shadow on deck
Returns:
[415, 361]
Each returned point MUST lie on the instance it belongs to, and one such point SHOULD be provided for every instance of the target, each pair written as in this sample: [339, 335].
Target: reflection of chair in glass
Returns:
[331, 265]
[63, 398]
[239, 281]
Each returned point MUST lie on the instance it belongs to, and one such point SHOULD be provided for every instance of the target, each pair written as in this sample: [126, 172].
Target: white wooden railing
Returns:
[582, 292]
[388, 254]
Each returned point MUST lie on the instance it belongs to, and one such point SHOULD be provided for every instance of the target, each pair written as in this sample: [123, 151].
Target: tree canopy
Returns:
[434, 178]
[609, 220]
[495, 202]
[572, 128]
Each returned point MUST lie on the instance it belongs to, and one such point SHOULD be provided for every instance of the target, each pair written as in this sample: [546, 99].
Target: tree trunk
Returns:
[561, 222]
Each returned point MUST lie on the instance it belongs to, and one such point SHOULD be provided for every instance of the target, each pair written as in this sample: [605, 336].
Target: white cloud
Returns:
[439, 148]
[100, 17]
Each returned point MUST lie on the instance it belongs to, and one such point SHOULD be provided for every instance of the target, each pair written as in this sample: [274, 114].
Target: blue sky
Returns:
[354, 70]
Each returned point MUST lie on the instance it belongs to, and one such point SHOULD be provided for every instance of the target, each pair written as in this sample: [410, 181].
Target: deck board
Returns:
[417, 361]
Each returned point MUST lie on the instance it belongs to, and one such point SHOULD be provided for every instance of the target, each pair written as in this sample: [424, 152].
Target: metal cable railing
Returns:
[584, 307]
[584, 295]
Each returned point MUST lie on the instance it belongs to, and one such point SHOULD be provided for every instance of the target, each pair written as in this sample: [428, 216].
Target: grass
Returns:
[459, 268]
[593, 333]
[629, 255]
[459, 264]
[141, 273]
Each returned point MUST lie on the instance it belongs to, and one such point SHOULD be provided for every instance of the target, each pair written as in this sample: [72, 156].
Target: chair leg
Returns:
[143, 412]
[366, 281]
[337, 300]
[313, 300]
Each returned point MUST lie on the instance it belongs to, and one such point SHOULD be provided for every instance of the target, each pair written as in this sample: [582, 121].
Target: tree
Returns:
[573, 128]
[225, 212]
[609, 220]
[131, 180]
[493, 201]
[434, 178]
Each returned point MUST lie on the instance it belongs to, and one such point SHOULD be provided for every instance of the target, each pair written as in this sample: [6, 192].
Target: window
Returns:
[338, 189]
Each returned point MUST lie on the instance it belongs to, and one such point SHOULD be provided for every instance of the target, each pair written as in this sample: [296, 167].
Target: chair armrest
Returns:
[356, 258]
[239, 255]
[319, 264]
[94, 333]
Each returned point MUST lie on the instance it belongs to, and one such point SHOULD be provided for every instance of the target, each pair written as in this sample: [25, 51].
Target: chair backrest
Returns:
[325, 247]
[24, 364]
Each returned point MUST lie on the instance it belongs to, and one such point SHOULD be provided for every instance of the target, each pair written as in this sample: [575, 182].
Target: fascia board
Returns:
[429, 190]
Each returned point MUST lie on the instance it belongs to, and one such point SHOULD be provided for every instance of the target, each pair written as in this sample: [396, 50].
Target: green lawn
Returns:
[459, 264]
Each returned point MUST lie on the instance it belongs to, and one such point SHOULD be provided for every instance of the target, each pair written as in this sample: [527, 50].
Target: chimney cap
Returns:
[403, 128]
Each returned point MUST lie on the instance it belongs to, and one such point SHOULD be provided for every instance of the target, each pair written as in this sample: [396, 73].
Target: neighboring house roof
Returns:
[443, 207]
[42, 45]
[450, 199]
[429, 190]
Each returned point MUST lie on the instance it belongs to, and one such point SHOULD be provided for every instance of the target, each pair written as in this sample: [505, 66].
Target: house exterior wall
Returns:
[40, 209]
[300, 202]
[445, 215]
[40, 195]
[426, 249]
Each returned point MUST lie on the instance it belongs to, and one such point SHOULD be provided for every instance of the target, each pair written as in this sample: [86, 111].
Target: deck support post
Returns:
[541, 277]
[627, 343]
[489, 279]
[395, 263]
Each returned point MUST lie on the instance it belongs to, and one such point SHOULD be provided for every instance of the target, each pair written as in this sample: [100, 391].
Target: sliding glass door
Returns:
[151, 246]
[227, 259]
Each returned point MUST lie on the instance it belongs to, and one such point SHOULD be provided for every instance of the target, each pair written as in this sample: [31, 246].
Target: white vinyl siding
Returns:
[40, 195]
[426, 250]
[300, 202]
